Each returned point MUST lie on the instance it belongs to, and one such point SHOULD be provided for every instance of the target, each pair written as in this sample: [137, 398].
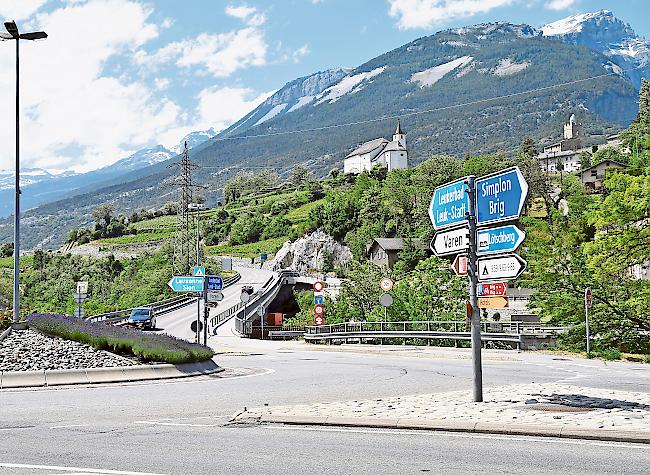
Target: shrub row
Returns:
[121, 340]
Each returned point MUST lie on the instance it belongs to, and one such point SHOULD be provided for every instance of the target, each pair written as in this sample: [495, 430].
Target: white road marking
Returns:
[70, 425]
[59, 468]
[548, 440]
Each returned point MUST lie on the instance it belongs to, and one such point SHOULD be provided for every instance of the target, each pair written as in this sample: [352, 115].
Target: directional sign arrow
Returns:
[500, 267]
[499, 240]
[449, 204]
[459, 266]
[186, 284]
[453, 241]
[493, 302]
[500, 196]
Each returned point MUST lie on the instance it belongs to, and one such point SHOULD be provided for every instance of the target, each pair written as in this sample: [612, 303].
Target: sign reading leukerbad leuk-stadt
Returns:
[449, 205]
[500, 196]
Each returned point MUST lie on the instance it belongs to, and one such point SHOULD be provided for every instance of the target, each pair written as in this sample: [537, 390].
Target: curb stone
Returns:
[468, 426]
[116, 374]
[5, 333]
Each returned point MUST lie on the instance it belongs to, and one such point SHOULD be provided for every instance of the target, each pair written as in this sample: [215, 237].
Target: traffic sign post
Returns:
[386, 284]
[449, 242]
[449, 205]
[505, 267]
[494, 289]
[500, 196]
[499, 240]
[589, 300]
[319, 320]
[213, 282]
[493, 302]
[459, 266]
[186, 284]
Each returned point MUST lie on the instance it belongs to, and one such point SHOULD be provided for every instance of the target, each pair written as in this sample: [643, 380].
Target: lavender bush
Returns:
[121, 340]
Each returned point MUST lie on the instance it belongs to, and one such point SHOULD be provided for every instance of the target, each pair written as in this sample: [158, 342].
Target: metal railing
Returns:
[509, 332]
[246, 313]
[159, 308]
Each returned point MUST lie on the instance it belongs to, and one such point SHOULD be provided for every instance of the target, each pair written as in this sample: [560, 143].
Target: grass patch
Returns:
[300, 214]
[145, 346]
[155, 223]
[8, 262]
[269, 246]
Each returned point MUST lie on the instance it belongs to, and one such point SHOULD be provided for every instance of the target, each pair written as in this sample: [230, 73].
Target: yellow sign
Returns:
[493, 302]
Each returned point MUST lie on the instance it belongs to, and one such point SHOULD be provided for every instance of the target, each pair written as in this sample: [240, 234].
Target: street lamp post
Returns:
[13, 34]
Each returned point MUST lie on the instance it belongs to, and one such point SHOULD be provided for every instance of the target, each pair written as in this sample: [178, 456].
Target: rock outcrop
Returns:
[317, 251]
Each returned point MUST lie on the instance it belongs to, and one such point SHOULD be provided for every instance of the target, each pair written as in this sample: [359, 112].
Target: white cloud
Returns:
[559, 4]
[74, 114]
[218, 108]
[426, 13]
[220, 54]
[248, 15]
[19, 9]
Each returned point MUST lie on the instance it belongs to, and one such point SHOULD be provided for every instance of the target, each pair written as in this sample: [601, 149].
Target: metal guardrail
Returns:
[245, 313]
[159, 308]
[510, 332]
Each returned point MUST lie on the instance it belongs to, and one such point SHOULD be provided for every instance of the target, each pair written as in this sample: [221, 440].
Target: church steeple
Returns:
[398, 130]
[399, 136]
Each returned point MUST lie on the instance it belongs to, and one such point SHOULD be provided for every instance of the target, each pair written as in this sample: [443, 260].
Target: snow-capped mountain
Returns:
[193, 139]
[292, 96]
[142, 158]
[603, 32]
[28, 176]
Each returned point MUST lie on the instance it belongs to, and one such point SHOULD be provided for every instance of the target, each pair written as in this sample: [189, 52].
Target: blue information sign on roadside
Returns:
[214, 282]
[500, 196]
[186, 284]
[319, 300]
[449, 204]
[497, 240]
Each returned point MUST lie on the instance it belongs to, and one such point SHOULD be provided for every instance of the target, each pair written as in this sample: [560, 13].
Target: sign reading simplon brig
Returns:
[467, 216]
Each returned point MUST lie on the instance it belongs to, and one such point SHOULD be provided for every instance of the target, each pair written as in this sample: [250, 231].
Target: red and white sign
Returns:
[319, 309]
[459, 266]
[589, 297]
[319, 286]
[319, 320]
[494, 289]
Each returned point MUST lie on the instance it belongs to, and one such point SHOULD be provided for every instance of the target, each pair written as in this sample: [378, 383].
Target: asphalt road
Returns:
[178, 323]
[181, 427]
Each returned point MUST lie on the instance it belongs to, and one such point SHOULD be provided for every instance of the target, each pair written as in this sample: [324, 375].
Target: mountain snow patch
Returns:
[430, 76]
[635, 49]
[572, 24]
[349, 84]
[272, 113]
[507, 67]
[301, 102]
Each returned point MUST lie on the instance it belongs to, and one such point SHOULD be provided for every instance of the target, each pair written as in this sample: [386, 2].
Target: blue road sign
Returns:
[497, 240]
[186, 284]
[214, 282]
[500, 196]
[264, 256]
[449, 204]
[319, 300]
[198, 271]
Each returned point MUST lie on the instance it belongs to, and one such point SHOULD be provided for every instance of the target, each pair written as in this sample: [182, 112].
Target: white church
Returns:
[392, 155]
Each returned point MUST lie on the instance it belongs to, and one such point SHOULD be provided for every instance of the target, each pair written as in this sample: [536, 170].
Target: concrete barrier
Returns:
[105, 375]
[58, 377]
[139, 373]
[21, 379]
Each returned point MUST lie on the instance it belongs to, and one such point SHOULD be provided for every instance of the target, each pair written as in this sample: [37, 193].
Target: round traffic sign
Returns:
[386, 284]
[319, 309]
[386, 300]
[319, 320]
[318, 286]
[244, 297]
[193, 325]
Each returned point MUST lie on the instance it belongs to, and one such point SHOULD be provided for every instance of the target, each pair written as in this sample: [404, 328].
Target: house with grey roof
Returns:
[592, 177]
[392, 155]
[384, 252]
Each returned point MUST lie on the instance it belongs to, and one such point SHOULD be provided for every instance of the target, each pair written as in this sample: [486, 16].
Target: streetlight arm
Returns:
[35, 35]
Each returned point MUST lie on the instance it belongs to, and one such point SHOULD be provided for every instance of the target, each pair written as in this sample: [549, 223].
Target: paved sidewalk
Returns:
[535, 409]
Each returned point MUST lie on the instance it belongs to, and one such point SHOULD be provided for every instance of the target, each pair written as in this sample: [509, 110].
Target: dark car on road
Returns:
[142, 317]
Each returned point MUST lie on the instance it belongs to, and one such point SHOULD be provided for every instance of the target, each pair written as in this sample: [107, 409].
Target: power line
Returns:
[426, 111]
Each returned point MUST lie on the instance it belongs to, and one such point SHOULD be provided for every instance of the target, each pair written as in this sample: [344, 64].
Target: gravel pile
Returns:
[29, 350]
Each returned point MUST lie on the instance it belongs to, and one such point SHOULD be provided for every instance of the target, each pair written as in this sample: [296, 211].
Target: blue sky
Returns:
[119, 75]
